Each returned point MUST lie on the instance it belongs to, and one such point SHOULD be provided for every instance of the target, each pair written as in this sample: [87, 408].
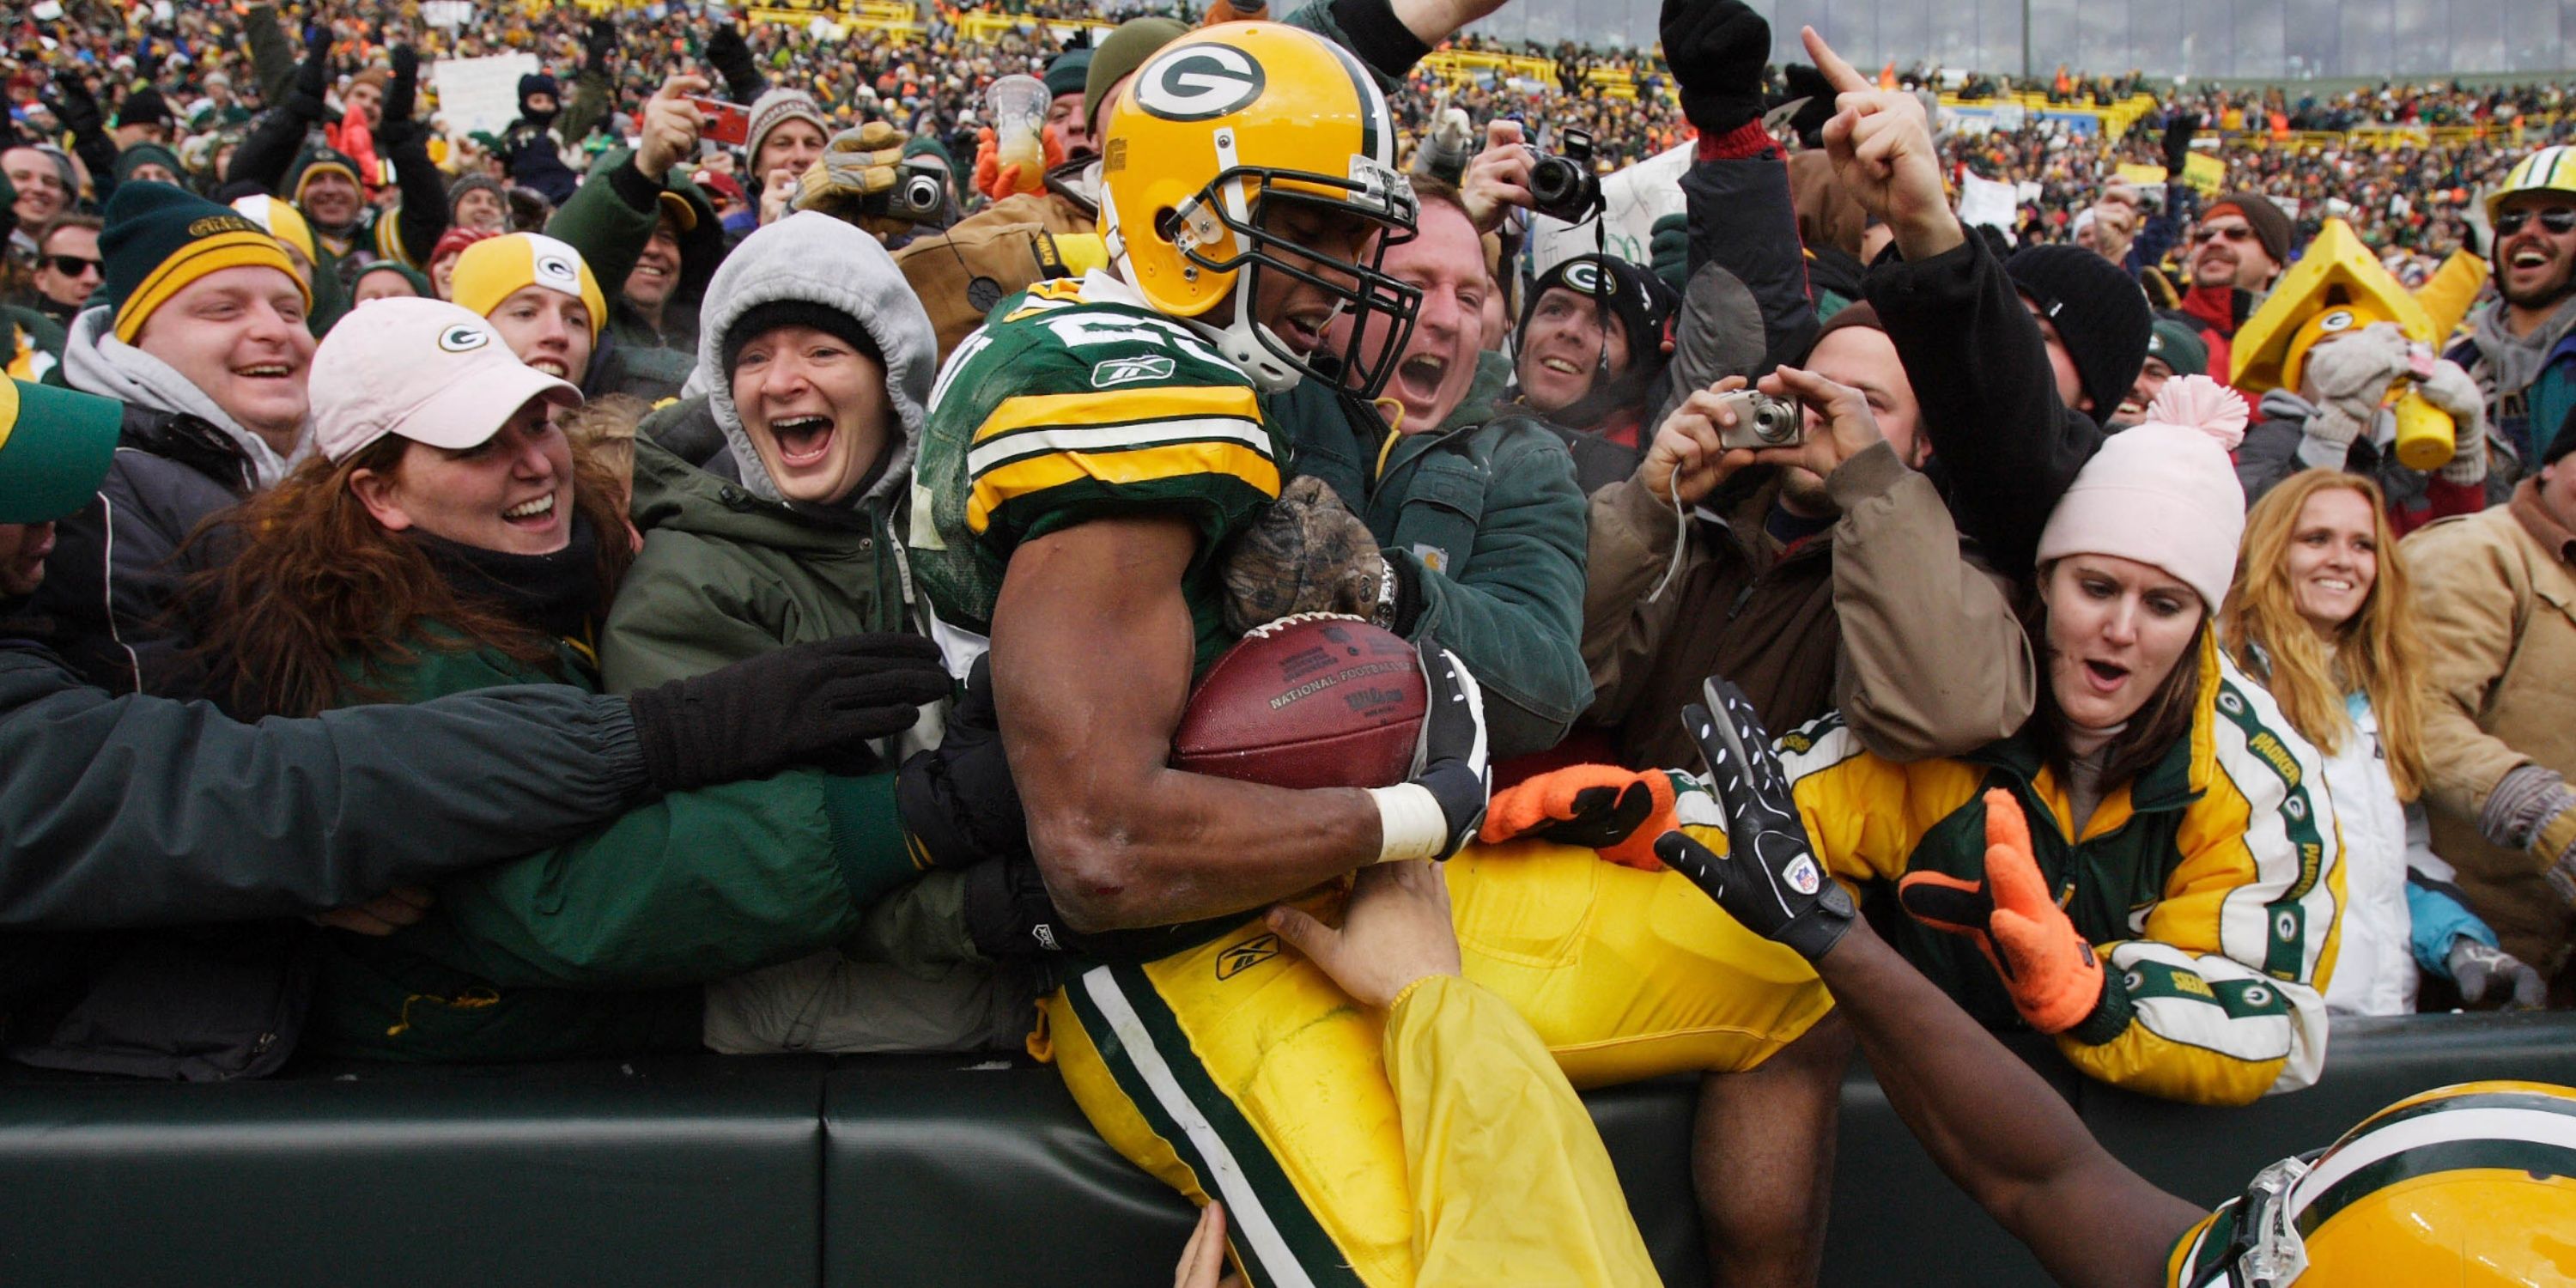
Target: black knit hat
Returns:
[2098, 311]
[765, 318]
[145, 106]
[1638, 298]
[2271, 227]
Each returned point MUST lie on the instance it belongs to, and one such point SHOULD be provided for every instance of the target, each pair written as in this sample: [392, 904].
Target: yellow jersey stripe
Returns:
[1036, 474]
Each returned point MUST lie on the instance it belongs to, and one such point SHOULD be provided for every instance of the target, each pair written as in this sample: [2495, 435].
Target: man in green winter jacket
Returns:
[1475, 530]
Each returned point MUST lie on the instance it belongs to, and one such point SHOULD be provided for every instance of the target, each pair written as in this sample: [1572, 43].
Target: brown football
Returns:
[1315, 700]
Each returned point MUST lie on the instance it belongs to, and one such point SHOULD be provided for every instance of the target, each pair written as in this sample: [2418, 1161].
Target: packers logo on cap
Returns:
[464, 339]
[558, 272]
[212, 224]
[1586, 276]
[2337, 320]
[1199, 83]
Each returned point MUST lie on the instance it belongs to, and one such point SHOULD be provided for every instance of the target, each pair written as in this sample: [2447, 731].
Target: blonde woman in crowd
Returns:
[2321, 613]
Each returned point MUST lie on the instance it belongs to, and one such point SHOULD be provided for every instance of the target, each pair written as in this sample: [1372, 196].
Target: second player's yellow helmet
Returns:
[1222, 146]
[2471, 1185]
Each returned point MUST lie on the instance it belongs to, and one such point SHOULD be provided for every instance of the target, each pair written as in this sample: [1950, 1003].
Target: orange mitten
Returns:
[1617, 811]
[2054, 976]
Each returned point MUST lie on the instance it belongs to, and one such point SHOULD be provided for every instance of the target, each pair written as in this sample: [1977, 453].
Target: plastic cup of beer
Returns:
[1018, 105]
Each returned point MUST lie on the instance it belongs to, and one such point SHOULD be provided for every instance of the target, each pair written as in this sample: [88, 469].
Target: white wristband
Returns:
[1409, 823]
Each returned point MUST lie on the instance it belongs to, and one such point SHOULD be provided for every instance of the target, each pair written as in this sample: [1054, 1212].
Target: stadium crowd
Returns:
[640, 579]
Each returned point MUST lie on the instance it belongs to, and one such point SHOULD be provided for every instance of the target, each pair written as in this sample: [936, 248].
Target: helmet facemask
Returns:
[1221, 231]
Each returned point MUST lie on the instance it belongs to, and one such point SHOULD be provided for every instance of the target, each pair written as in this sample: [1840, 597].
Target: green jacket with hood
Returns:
[729, 569]
[1484, 514]
[609, 220]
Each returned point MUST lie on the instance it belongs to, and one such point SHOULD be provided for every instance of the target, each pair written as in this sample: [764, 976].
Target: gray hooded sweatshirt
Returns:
[812, 258]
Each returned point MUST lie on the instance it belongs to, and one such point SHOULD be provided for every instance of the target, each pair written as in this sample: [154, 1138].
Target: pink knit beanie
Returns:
[2164, 493]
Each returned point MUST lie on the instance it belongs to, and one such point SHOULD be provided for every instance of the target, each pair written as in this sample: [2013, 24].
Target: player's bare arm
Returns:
[1091, 669]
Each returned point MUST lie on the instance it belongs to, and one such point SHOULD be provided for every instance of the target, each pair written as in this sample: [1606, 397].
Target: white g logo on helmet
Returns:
[1198, 83]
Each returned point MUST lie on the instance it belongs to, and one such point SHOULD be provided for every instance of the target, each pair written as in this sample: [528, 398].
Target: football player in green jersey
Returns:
[1086, 458]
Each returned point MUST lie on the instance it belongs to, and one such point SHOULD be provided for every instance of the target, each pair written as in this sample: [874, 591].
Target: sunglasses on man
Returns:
[2232, 232]
[73, 265]
[2556, 219]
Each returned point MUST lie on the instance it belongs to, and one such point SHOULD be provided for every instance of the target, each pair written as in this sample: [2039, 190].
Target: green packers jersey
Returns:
[1079, 404]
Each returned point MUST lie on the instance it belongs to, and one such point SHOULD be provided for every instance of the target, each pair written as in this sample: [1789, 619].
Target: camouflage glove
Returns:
[856, 165]
[1306, 554]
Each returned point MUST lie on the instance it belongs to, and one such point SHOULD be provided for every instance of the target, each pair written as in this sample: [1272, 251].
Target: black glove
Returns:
[74, 105]
[1717, 49]
[958, 804]
[1449, 761]
[313, 75]
[598, 41]
[807, 704]
[732, 60]
[2179, 127]
[1009, 913]
[1768, 878]
[402, 97]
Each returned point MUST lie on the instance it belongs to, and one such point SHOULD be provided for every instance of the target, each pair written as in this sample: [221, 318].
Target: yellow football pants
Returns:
[1239, 1071]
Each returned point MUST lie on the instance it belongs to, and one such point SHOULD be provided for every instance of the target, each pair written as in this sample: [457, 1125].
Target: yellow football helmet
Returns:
[1212, 135]
[2470, 1185]
[2550, 169]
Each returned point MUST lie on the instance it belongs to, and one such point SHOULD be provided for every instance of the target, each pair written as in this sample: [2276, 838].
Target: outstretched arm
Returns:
[1990, 1122]
[1997, 1129]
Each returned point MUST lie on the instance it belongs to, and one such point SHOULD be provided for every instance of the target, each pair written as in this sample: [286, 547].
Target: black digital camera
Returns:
[1562, 184]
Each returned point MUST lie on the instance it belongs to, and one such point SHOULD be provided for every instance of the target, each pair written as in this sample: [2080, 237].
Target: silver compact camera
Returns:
[1760, 420]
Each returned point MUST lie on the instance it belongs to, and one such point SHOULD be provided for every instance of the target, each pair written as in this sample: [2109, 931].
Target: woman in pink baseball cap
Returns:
[447, 537]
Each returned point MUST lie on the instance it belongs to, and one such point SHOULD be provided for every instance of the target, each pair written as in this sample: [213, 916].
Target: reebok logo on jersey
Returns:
[1246, 955]
[1127, 371]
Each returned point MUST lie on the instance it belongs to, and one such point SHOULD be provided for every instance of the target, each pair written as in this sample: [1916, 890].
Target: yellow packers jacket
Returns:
[2211, 886]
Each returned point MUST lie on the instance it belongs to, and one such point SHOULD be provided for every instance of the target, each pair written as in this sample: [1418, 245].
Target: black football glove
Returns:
[815, 704]
[957, 802]
[1449, 761]
[1768, 878]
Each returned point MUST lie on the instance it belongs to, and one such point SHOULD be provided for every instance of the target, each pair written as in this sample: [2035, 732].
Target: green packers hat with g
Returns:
[54, 448]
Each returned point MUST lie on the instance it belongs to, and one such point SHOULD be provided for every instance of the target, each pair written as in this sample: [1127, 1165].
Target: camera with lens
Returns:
[1760, 420]
[919, 194]
[1562, 184]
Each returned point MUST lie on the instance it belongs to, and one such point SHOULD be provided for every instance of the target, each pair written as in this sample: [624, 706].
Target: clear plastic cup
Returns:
[1018, 105]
